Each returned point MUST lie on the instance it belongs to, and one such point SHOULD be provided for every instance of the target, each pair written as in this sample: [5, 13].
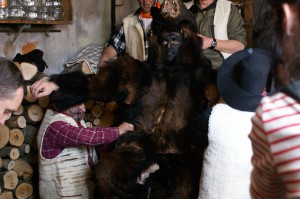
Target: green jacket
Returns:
[235, 29]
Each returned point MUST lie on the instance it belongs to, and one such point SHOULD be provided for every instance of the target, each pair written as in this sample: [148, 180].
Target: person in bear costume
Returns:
[162, 158]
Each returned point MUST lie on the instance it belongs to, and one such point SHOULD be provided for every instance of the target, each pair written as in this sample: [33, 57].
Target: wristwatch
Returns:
[213, 43]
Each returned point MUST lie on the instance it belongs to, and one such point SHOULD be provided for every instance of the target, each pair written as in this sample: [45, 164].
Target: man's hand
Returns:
[124, 127]
[206, 41]
[43, 87]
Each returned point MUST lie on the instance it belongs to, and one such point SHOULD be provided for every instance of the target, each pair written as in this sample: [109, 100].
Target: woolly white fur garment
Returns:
[227, 160]
[222, 13]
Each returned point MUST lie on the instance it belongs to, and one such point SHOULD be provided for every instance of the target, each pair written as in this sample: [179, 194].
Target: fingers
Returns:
[125, 127]
[39, 89]
[35, 88]
[199, 35]
[130, 127]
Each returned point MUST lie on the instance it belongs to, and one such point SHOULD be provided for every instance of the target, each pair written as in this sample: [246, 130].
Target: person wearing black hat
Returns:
[276, 125]
[67, 147]
[226, 169]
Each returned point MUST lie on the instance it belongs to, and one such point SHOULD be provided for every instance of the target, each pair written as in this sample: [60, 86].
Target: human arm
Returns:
[275, 144]
[115, 46]
[262, 160]
[125, 127]
[228, 46]
[66, 83]
[235, 32]
[60, 134]
[108, 53]
[43, 87]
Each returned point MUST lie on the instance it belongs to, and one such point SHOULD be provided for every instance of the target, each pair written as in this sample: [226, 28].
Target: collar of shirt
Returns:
[78, 123]
[211, 6]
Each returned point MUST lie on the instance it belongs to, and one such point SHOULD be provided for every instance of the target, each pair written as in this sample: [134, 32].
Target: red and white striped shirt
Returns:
[275, 140]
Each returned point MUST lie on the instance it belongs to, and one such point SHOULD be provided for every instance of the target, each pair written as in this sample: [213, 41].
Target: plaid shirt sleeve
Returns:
[118, 41]
[61, 134]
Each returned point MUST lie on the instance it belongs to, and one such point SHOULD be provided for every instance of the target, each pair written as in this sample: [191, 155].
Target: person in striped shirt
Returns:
[275, 134]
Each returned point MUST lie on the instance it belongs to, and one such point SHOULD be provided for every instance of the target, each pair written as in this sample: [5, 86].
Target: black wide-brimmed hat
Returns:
[242, 78]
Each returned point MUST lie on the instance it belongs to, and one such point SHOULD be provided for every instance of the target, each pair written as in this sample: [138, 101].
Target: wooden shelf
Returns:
[68, 16]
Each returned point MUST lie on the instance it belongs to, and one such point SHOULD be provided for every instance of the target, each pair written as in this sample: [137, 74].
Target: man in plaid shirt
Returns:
[132, 36]
[67, 148]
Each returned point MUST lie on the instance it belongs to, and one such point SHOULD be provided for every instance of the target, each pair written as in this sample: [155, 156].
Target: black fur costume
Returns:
[163, 98]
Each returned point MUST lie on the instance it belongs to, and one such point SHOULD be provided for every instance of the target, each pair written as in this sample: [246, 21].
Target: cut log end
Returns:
[4, 136]
[16, 137]
[9, 180]
[24, 190]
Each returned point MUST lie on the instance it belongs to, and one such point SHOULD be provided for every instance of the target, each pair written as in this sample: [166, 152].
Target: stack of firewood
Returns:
[99, 113]
[18, 147]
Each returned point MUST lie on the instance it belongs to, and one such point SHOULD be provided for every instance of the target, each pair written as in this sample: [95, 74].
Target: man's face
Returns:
[171, 42]
[7, 106]
[146, 5]
[76, 112]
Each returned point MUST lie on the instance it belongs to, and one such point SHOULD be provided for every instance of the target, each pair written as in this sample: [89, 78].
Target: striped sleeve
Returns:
[275, 140]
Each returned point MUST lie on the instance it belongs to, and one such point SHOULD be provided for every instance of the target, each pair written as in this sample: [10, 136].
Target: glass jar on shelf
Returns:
[45, 13]
[3, 9]
[49, 3]
[3, 13]
[14, 3]
[31, 12]
[56, 3]
[31, 3]
[58, 13]
[16, 11]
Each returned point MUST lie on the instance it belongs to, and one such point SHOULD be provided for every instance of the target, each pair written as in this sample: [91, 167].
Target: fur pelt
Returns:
[35, 56]
[176, 175]
[73, 90]
[164, 98]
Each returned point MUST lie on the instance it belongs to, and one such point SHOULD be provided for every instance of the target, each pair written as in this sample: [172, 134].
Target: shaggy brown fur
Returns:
[164, 97]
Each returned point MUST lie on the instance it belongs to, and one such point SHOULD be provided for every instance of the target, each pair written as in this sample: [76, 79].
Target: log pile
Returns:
[18, 147]
[100, 114]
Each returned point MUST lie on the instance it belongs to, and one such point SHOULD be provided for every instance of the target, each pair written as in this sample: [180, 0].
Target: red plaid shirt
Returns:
[60, 135]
